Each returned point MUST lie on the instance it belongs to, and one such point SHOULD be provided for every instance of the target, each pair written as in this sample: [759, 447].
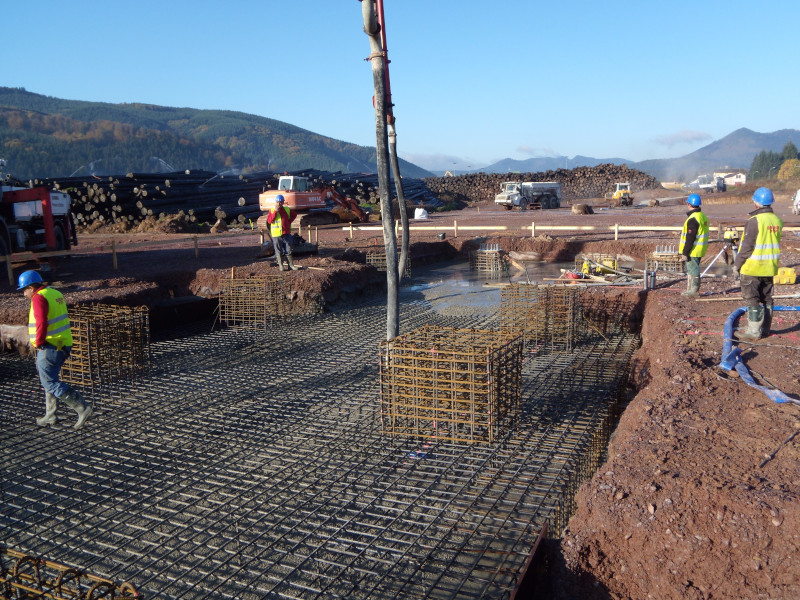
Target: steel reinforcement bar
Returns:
[251, 464]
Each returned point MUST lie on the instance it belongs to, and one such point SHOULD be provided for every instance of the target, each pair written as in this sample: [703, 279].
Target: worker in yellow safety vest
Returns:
[280, 220]
[694, 244]
[757, 263]
[51, 337]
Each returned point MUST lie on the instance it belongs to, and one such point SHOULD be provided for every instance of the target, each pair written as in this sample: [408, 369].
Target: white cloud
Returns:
[682, 137]
[441, 162]
[536, 152]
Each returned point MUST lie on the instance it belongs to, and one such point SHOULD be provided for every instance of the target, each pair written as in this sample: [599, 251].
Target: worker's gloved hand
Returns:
[684, 258]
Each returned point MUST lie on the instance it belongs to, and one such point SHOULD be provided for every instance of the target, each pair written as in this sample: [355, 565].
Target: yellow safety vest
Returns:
[59, 332]
[701, 241]
[276, 229]
[764, 260]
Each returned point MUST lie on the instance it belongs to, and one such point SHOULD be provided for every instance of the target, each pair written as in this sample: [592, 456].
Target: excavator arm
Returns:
[347, 203]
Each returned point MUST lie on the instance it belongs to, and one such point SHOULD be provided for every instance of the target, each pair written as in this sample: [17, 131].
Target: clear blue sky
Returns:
[473, 82]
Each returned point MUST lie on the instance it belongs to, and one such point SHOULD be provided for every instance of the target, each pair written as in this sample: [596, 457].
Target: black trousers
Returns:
[756, 291]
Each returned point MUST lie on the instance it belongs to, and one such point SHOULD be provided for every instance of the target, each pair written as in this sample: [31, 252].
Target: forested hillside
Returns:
[41, 136]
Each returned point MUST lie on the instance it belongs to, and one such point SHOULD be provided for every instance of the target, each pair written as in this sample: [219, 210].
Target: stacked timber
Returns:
[576, 184]
[206, 197]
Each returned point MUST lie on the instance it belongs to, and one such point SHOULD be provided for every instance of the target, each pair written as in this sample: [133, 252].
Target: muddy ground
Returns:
[700, 495]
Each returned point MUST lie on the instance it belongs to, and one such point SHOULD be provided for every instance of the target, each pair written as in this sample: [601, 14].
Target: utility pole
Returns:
[377, 58]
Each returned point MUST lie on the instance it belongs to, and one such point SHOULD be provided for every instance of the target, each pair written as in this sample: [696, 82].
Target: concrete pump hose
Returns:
[731, 356]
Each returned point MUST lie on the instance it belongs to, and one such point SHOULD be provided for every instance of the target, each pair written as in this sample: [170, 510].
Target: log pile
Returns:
[204, 197]
[130, 199]
[576, 184]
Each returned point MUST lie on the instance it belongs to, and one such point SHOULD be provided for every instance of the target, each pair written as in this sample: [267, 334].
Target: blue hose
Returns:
[731, 358]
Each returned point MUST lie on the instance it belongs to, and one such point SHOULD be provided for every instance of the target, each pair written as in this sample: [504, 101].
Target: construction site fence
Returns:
[455, 228]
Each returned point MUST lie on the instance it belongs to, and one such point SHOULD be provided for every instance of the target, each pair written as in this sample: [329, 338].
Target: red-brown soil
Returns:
[687, 504]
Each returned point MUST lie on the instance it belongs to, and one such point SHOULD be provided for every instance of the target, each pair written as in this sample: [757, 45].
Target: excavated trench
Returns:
[252, 464]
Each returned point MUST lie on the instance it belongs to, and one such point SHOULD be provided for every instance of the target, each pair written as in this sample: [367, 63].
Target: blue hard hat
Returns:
[763, 196]
[279, 198]
[694, 200]
[28, 278]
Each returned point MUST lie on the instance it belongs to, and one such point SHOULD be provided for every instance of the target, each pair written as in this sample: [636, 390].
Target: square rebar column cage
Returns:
[667, 262]
[487, 259]
[460, 385]
[109, 343]
[378, 260]
[548, 317]
[250, 302]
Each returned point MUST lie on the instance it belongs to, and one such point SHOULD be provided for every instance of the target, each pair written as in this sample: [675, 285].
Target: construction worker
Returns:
[757, 263]
[51, 336]
[694, 244]
[280, 220]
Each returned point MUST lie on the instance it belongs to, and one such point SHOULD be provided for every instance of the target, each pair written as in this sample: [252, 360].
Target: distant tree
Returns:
[789, 152]
[765, 164]
[790, 169]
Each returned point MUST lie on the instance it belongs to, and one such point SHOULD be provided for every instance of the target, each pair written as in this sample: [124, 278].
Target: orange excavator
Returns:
[315, 205]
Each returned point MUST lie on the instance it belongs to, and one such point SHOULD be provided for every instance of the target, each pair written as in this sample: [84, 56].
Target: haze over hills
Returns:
[735, 151]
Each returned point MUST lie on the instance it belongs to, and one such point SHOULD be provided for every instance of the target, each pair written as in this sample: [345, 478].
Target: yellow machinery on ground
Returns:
[622, 194]
[596, 264]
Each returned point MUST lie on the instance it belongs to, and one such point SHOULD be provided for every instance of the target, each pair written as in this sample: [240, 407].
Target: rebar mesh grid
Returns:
[487, 259]
[24, 576]
[547, 316]
[251, 302]
[377, 259]
[110, 344]
[669, 262]
[443, 383]
[245, 469]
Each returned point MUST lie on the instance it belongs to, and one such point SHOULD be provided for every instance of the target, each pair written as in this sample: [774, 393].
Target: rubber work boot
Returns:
[290, 263]
[767, 321]
[755, 321]
[75, 401]
[280, 262]
[51, 406]
[692, 287]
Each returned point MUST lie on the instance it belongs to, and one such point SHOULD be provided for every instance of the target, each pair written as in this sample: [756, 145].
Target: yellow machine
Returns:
[622, 194]
[596, 264]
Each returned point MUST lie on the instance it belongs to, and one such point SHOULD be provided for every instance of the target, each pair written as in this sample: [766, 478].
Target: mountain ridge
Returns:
[43, 136]
[734, 151]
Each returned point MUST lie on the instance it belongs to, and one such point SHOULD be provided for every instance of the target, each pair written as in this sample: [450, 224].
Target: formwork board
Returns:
[452, 384]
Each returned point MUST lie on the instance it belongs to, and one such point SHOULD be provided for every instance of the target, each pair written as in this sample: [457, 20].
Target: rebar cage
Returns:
[251, 302]
[460, 385]
[109, 343]
[667, 262]
[377, 259]
[487, 259]
[25, 576]
[548, 317]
